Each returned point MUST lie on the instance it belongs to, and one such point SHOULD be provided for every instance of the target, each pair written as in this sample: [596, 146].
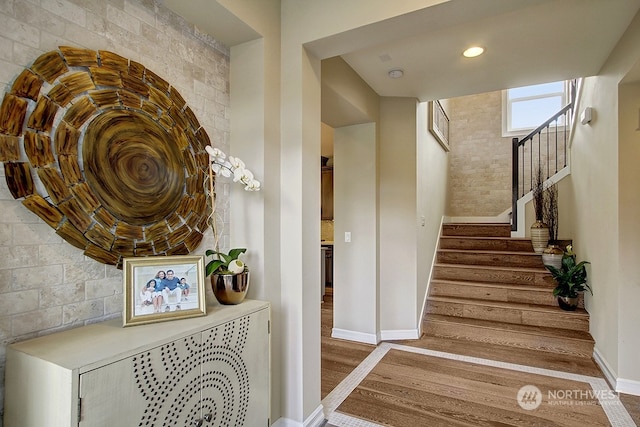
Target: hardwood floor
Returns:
[339, 357]
[425, 383]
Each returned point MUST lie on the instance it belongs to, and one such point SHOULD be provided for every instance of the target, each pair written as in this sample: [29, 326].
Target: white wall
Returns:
[355, 281]
[629, 249]
[398, 222]
[432, 197]
[599, 176]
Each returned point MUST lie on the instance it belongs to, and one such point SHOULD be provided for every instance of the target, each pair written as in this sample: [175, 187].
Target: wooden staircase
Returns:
[489, 288]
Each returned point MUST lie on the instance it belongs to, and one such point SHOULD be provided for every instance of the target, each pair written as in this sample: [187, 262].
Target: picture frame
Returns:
[146, 302]
[439, 123]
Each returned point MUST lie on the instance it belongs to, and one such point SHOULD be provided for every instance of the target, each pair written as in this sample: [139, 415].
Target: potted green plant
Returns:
[229, 275]
[226, 263]
[571, 279]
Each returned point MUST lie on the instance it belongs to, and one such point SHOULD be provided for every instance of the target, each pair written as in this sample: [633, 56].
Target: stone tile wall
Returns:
[49, 285]
[480, 158]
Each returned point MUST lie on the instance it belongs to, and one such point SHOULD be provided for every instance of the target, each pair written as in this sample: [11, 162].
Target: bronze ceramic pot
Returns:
[230, 289]
[568, 303]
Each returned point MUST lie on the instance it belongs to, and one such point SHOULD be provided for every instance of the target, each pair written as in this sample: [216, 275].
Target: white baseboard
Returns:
[620, 385]
[628, 387]
[362, 337]
[606, 369]
[399, 334]
[286, 422]
[316, 419]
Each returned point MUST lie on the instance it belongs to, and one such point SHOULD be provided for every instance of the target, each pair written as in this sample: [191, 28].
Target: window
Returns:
[526, 108]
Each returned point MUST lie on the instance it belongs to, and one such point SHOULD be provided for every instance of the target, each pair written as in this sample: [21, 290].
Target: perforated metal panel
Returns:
[219, 376]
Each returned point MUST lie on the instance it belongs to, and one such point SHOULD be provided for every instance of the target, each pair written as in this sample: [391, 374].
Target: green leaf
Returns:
[213, 266]
[235, 253]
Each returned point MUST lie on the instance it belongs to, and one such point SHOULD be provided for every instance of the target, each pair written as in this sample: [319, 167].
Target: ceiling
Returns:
[526, 42]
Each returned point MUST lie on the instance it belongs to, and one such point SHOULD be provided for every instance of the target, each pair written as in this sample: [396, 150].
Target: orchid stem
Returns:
[212, 217]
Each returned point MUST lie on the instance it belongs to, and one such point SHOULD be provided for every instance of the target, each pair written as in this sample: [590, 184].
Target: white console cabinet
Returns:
[204, 371]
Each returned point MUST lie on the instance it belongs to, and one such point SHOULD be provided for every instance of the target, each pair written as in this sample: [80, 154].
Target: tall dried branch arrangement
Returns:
[538, 194]
[550, 215]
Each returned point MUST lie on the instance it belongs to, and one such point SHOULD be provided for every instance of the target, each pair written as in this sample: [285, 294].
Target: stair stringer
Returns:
[429, 279]
[528, 198]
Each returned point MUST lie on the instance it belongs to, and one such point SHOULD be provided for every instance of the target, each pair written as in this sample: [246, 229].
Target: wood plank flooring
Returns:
[409, 389]
[406, 389]
[339, 357]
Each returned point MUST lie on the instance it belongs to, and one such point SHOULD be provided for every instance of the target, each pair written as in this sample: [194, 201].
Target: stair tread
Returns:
[579, 312]
[507, 286]
[494, 267]
[509, 354]
[571, 334]
[522, 239]
[481, 224]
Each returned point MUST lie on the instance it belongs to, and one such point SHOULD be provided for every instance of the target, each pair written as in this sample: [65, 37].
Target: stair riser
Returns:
[503, 294]
[579, 348]
[534, 278]
[503, 260]
[477, 291]
[517, 316]
[476, 230]
[486, 244]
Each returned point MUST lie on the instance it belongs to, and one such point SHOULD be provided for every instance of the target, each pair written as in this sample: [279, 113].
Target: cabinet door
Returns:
[220, 376]
[326, 205]
[159, 387]
[235, 372]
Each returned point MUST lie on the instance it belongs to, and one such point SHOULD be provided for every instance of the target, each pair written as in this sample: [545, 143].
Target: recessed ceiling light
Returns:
[396, 73]
[473, 51]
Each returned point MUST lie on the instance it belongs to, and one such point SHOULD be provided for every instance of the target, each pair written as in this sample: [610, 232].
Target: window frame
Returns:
[507, 130]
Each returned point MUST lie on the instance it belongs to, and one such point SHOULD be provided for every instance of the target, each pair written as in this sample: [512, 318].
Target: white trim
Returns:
[628, 386]
[609, 373]
[520, 206]
[574, 118]
[362, 337]
[286, 422]
[400, 334]
[316, 419]
[351, 381]
[522, 202]
[426, 292]
[507, 110]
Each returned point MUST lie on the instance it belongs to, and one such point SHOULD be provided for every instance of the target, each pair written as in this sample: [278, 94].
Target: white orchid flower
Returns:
[228, 166]
[215, 154]
[236, 163]
[222, 168]
[254, 185]
[243, 175]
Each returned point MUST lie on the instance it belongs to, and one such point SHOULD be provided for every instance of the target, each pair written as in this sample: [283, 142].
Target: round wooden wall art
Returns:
[107, 153]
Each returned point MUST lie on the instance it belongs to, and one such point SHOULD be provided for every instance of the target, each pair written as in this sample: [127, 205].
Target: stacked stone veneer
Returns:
[47, 284]
[480, 158]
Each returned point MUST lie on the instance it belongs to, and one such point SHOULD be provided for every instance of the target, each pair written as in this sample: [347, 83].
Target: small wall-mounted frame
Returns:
[163, 288]
[439, 123]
